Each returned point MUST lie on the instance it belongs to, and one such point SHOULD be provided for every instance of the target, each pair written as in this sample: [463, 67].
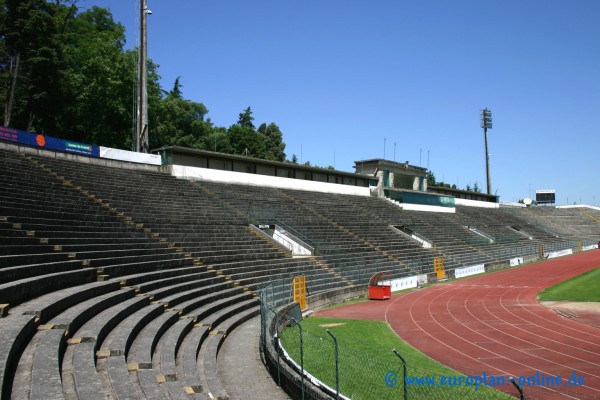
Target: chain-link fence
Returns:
[382, 374]
[321, 364]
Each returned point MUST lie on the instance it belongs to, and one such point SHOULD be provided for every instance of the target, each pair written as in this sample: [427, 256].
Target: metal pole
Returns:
[514, 382]
[337, 366]
[276, 345]
[403, 373]
[486, 123]
[487, 163]
[301, 354]
[142, 98]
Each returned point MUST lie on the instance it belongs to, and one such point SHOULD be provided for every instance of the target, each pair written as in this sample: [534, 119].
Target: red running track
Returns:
[493, 323]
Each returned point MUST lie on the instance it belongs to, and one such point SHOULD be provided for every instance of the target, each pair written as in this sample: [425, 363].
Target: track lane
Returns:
[493, 323]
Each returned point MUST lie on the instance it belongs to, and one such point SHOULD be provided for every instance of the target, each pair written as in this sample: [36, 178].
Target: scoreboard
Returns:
[545, 196]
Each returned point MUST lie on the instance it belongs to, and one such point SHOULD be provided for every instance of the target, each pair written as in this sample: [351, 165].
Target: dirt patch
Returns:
[586, 312]
[573, 305]
[332, 325]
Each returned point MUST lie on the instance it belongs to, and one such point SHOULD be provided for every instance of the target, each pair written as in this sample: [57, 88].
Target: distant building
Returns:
[407, 185]
[392, 174]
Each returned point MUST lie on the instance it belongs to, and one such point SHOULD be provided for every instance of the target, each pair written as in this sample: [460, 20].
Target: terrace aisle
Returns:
[239, 366]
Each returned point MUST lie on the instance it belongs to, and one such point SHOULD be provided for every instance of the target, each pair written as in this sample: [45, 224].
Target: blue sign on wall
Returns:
[48, 142]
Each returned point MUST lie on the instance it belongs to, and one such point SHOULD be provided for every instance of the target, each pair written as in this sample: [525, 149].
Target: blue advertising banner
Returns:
[48, 142]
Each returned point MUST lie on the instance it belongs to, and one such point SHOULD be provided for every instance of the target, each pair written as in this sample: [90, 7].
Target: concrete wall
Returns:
[78, 158]
[334, 297]
[213, 175]
[580, 206]
[475, 203]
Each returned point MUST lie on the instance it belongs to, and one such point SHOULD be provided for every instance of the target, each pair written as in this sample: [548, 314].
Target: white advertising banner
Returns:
[467, 271]
[404, 283]
[516, 261]
[560, 253]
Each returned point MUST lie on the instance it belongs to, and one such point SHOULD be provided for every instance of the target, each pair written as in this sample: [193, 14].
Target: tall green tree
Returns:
[65, 73]
[245, 140]
[245, 119]
[33, 42]
[274, 146]
[176, 91]
[217, 140]
[431, 178]
[71, 77]
[100, 80]
[179, 122]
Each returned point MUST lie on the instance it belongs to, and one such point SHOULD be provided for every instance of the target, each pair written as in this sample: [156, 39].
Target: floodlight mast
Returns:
[486, 123]
[141, 136]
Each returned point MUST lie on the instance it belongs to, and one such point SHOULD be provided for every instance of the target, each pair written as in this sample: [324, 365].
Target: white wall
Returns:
[512, 204]
[475, 203]
[131, 156]
[289, 243]
[214, 175]
[580, 206]
[421, 207]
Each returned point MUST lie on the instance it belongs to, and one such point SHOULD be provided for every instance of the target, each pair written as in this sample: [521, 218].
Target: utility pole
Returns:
[486, 123]
[141, 139]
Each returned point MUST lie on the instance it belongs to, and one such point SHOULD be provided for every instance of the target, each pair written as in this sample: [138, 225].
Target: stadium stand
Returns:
[124, 283]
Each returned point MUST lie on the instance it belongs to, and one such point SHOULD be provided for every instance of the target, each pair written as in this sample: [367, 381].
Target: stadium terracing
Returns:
[122, 279]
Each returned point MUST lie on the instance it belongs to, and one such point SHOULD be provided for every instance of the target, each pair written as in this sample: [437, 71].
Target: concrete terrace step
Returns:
[140, 267]
[15, 333]
[188, 275]
[80, 377]
[15, 273]
[17, 292]
[215, 386]
[15, 260]
[45, 381]
[144, 344]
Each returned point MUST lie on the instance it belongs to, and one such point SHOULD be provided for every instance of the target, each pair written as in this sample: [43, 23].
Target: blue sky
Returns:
[341, 77]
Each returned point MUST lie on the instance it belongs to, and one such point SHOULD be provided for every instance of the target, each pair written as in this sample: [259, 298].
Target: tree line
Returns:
[65, 72]
[431, 181]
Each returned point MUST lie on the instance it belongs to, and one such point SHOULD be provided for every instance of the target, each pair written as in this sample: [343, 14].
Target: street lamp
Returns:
[486, 123]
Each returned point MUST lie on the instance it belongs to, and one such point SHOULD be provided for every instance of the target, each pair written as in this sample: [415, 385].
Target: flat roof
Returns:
[395, 164]
[236, 157]
[449, 191]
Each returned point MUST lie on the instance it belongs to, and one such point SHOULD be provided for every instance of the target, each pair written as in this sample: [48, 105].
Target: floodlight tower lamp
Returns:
[486, 123]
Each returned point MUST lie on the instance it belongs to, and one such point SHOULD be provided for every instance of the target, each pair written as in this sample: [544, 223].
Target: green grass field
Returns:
[368, 367]
[585, 287]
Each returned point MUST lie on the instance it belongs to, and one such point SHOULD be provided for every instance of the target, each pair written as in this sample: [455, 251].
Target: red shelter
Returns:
[380, 286]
